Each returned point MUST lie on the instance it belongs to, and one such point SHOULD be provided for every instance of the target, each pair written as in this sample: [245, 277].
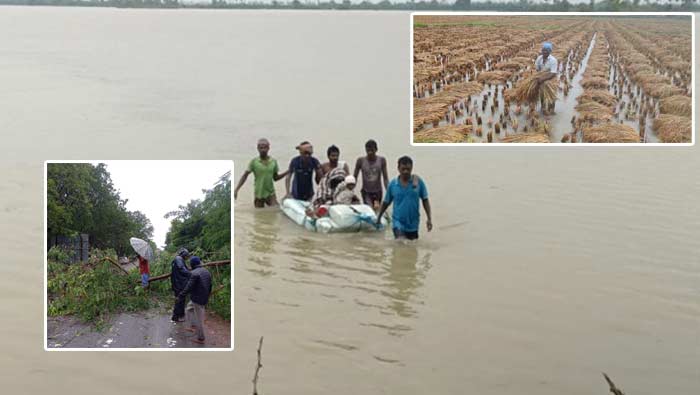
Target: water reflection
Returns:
[405, 276]
[263, 236]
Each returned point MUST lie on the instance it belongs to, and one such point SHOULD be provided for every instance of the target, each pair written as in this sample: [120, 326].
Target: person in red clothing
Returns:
[143, 269]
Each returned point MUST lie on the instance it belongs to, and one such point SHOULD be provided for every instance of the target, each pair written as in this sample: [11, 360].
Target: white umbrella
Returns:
[142, 248]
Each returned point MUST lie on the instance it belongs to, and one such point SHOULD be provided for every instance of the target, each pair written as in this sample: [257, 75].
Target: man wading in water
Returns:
[374, 175]
[405, 191]
[547, 63]
[334, 161]
[266, 172]
[303, 167]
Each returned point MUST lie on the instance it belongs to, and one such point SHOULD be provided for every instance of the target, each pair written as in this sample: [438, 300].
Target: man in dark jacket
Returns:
[199, 288]
[179, 275]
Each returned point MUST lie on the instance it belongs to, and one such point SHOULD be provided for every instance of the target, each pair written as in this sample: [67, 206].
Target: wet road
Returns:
[149, 329]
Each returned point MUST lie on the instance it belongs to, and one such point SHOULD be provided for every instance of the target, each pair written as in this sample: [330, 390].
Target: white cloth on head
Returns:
[550, 64]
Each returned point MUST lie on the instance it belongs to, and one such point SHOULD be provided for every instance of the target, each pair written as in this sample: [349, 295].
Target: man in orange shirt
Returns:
[143, 269]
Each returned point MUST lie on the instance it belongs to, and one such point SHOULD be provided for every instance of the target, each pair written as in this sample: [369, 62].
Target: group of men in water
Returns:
[335, 185]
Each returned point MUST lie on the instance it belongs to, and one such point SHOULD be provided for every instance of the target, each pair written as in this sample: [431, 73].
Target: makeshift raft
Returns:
[341, 217]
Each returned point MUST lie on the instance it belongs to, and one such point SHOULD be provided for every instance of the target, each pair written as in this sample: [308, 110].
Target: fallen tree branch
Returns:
[613, 388]
[115, 263]
[208, 264]
[257, 368]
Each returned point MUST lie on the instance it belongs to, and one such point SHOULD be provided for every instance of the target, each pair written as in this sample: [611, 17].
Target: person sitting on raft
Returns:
[325, 192]
[344, 193]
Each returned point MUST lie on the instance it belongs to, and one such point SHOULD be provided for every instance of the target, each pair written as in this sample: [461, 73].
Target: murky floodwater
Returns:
[546, 266]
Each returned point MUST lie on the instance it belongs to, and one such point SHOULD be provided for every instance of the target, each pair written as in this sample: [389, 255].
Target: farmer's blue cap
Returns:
[547, 46]
[195, 261]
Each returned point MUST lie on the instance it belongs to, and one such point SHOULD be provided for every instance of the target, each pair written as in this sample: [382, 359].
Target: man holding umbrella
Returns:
[179, 276]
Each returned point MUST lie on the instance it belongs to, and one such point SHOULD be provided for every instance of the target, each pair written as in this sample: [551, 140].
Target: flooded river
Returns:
[546, 265]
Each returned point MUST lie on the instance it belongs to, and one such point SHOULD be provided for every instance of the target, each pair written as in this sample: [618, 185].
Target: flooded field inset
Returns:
[552, 79]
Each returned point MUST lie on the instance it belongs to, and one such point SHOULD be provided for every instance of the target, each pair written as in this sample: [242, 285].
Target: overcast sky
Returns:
[157, 187]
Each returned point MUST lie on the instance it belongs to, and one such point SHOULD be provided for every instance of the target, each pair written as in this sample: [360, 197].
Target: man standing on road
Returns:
[179, 275]
[199, 287]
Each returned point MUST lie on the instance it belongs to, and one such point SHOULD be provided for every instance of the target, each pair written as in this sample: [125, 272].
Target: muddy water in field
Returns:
[546, 266]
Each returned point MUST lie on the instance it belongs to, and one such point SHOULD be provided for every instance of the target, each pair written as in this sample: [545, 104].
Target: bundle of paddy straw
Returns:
[443, 134]
[610, 133]
[677, 105]
[529, 90]
[673, 128]
[526, 138]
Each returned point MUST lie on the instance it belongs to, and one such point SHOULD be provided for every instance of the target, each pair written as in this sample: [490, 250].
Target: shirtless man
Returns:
[374, 175]
[334, 161]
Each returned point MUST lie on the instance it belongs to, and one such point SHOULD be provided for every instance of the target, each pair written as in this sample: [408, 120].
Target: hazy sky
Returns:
[156, 187]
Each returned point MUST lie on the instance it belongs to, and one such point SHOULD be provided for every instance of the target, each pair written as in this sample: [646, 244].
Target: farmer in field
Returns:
[303, 167]
[179, 275]
[374, 175]
[266, 172]
[143, 270]
[547, 64]
[199, 288]
[405, 191]
[334, 161]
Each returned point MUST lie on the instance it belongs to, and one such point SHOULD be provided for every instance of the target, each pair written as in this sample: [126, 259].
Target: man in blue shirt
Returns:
[405, 191]
[303, 167]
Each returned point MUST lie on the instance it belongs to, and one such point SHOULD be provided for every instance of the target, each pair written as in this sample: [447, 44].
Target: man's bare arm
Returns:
[426, 207]
[240, 183]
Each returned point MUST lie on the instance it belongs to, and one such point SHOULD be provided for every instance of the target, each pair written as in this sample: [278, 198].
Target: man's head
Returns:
[182, 252]
[195, 261]
[405, 166]
[350, 182]
[305, 149]
[333, 153]
[371, 148]
[263, 147]
[546, 49]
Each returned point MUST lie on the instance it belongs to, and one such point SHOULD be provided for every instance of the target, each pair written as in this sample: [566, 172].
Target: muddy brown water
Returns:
[546, 266]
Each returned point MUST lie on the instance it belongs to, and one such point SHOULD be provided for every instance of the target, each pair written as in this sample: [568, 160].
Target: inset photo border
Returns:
[138, 255]
[552, 79]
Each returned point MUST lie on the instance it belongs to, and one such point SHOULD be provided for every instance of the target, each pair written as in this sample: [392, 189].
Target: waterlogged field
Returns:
[620, 79]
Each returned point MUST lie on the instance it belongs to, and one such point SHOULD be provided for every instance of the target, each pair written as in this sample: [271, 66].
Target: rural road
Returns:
[147, 329]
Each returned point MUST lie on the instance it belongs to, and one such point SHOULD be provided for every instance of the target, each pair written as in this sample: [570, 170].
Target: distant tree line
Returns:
[432, 5]
[82, 199]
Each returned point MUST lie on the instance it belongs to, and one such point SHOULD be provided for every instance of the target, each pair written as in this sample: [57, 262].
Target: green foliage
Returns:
[92, 290]
[82, 199]
[204, 228]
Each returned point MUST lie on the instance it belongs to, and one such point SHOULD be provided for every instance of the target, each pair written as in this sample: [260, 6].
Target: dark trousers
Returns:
[179, 309]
